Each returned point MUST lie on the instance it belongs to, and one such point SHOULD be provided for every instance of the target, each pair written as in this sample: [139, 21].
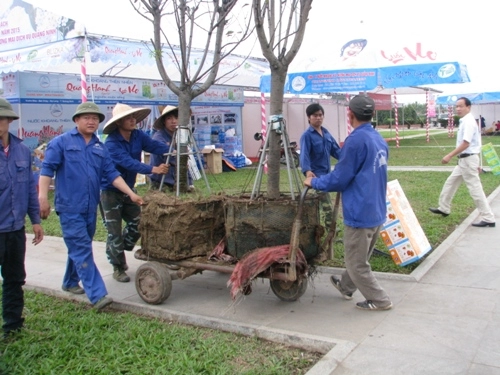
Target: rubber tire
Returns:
[289, 291]
[296, 159]
[153, 283]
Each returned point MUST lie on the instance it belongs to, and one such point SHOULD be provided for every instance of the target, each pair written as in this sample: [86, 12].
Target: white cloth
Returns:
[468, 130]
[466, 171]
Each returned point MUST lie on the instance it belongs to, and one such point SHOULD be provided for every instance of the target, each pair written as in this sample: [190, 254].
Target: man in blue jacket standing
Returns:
[361, 176]
[317, 146]
[18, 198]
[165, 127]
[80, 161]
[125, 144]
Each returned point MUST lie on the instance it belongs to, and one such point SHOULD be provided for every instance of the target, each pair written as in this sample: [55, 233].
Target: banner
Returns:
[383, 102]
[24, 25]
[28, 87]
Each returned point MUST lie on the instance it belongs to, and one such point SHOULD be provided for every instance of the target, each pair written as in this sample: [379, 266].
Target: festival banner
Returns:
[24, 25]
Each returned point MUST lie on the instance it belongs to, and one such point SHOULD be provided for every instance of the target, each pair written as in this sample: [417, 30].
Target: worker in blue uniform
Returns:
[79, 160]
[18, 198]
[125, 144]
[361, 176]
[317, 147]
[165, 127]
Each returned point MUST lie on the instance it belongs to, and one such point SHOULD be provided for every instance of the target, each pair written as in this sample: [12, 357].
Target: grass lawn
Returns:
[421, 188]
[405, 132]
[63, 337]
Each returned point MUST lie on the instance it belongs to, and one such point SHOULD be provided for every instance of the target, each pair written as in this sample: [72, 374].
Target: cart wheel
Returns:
[289, 291]
[153, 283]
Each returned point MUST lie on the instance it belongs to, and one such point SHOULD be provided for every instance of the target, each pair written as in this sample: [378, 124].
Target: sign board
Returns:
[491, 157]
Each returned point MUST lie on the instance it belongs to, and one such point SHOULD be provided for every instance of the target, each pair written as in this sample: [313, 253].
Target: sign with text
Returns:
[28, 87]
[24, 25]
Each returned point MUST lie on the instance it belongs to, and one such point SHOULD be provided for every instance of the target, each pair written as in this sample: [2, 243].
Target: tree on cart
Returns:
[177, 26]
[280, 27]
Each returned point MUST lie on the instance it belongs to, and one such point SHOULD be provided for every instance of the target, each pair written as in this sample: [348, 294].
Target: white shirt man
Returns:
[468, 151]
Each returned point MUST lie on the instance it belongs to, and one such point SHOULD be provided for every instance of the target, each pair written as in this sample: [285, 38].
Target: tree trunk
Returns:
[278, 78]
[184, 120]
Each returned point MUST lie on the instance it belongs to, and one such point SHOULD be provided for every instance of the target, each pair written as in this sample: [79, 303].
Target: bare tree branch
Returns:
[179, 25]
[274, 40]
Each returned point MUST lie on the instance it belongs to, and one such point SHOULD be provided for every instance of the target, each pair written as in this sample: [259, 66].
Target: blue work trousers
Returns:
[12, 255]
[78, 231]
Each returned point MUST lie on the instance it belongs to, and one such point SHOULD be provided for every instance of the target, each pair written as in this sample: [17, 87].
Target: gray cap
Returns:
[88, 108]
[6, 109]
[362, 105]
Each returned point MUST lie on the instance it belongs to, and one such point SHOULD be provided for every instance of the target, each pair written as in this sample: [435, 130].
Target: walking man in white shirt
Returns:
[468, 151]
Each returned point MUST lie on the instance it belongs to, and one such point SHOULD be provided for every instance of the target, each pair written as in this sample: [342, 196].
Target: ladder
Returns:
[278, 125]
[183, 137]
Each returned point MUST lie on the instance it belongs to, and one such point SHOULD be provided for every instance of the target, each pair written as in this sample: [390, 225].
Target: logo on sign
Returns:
[56, 110]
[44, 81]
[298, 83]
[446, 71]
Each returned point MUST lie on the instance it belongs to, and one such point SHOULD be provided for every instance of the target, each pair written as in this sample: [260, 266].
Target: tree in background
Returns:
[182, 24]
[280, 27]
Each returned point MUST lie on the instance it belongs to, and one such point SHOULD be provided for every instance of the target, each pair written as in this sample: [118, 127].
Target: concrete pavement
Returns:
[445, 320]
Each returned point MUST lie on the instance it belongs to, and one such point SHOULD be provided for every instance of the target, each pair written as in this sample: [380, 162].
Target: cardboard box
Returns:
[402, 232]
[213, 157]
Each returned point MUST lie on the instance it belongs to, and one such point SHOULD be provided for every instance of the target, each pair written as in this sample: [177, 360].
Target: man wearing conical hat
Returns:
[18, 198]
[80, 161]
[125, 144]
[165, 126]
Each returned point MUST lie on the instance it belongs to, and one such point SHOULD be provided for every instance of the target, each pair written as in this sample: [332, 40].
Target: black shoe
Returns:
[482, 224]
[369, 305]
[437, 211]
[10, 334]
[336, 283]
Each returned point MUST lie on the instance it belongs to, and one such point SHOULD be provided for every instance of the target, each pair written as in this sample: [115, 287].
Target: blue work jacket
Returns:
[18, 195]
[361, 176]
[79, 169]
[127, 155]
[316, 150]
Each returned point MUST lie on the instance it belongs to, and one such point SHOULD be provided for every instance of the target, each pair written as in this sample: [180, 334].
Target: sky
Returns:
[464, 31]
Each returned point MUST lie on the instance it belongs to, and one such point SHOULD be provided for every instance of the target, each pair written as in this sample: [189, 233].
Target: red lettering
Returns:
[418, 53]
[133, 89]
[397, 57]
[70, 87]
[116, 51]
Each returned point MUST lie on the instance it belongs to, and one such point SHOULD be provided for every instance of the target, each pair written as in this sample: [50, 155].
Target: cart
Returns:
[154, 278]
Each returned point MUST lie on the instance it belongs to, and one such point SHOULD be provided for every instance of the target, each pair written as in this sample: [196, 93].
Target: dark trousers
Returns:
[118, 207]
[12, 255]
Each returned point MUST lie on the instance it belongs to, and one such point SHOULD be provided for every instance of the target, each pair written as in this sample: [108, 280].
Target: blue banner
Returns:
[422, 74]
[476, 98]
[355, 80]
[328, 81]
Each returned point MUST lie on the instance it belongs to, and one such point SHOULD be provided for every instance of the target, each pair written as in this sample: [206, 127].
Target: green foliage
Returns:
[421, 188]
[63, 337]
[408, 114]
